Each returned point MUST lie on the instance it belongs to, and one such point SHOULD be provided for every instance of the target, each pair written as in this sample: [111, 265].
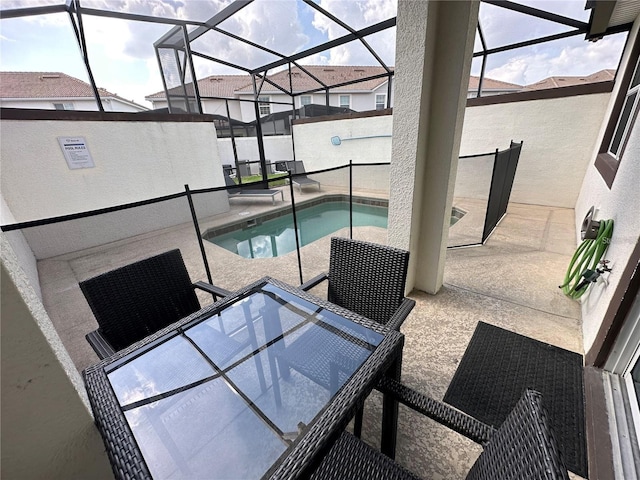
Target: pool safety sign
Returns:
[76, 152]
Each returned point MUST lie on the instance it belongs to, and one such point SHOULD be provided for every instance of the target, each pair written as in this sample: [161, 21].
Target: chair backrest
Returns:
[523, 447]
[291, 166]
[136, 300]
[367, 278]
[230, 183]
[299, 166]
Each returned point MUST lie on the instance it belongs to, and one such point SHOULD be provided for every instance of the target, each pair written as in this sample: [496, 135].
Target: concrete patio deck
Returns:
[512, 282]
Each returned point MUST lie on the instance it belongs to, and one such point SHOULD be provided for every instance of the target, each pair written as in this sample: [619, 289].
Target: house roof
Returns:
[227, 86]
[555, 82]
[214, 86]
[50, 85]
[492, 84]
[45, 85]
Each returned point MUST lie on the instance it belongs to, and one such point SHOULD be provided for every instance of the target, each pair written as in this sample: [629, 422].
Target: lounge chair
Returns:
[240, 192]
[299, 178]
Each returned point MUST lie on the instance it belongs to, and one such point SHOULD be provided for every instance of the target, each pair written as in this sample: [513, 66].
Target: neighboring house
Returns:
[556, 82]
[57, 91]
[213, 90]
[490, 86]
[307, 89]
[361, 96]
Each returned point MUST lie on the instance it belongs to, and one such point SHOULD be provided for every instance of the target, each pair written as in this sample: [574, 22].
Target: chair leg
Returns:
[390, 413]
[357, 422]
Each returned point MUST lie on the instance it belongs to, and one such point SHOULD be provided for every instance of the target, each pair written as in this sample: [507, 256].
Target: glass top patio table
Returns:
[207, 397]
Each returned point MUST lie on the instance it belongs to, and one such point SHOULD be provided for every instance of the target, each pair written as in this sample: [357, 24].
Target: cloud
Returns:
[275, 25]
[573, 57]
[357, 14]
[503, 27]
[123, 58]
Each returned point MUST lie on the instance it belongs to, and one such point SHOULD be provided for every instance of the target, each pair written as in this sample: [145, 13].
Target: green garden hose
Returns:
[585, 261]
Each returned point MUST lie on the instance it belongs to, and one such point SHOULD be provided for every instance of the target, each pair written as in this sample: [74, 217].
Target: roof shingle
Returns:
[45, 85]
[556, 82]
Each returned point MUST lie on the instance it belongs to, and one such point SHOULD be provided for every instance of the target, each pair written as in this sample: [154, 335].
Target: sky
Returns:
[123, 59]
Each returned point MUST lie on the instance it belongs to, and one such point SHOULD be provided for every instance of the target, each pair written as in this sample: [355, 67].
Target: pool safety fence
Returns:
[479, 203]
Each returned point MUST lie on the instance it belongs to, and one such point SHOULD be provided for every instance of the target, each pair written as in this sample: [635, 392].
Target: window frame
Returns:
[310, 97]
[65, 106]
[348, 97]
[606, 163]
[384, 101]
[264, 103]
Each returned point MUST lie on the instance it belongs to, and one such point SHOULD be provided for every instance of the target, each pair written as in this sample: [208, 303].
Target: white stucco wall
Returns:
[313, 142]
[134, 161]
[620, 203]
[109, 105]
[556, 152]
[554, 158]
[22, 250]
[209, 106]
[47, 426]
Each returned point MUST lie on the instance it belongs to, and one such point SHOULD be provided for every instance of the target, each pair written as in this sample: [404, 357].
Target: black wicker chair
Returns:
[524, 447]
[139, 299]
[368, 279]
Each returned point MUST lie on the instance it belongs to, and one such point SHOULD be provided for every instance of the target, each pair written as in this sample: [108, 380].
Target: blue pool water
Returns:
[276, 237]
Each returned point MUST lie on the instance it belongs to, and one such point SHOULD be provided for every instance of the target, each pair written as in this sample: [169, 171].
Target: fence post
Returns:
[197, 227]
[295, 225]
[351, 199]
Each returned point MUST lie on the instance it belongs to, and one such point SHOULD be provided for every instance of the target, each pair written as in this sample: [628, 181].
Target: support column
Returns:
[434, 48]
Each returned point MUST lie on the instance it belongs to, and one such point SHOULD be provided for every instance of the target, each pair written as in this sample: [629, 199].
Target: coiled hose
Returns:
[586, 259]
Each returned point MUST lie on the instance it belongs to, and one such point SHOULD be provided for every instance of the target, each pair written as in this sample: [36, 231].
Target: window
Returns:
[264, 106]
[305, 100]
[381, 101]
[625, 120]
[622, 119]
[63, 106]
[345, 101]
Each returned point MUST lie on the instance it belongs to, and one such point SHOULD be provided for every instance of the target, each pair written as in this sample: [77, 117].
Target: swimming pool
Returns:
[274, 236]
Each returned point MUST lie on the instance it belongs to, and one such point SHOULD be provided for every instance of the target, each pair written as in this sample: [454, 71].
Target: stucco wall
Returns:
[620, 203]
[556, 152]
[134, 161]
[90, 105]
[554, 158]
[21, 248]
[313, 142]
[47, 428]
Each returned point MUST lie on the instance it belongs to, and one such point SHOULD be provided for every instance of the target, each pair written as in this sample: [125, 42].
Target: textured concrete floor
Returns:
[511, 282]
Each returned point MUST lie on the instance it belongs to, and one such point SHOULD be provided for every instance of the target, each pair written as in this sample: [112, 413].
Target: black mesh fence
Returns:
[470, 197]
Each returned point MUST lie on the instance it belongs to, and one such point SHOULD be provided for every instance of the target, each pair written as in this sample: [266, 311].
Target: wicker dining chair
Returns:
[134, 301]
[524, 447]
[368, 279]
